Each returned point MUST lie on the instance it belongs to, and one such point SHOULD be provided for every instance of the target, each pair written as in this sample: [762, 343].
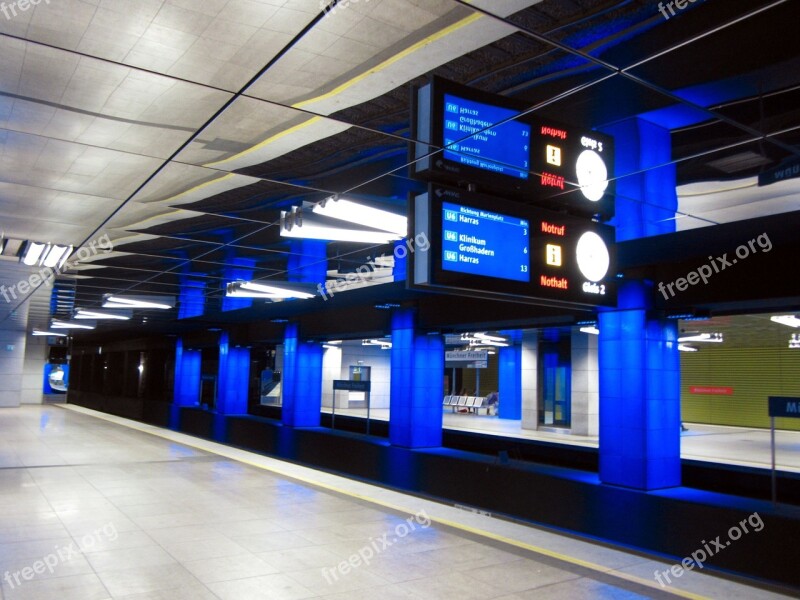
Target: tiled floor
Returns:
[93, 507]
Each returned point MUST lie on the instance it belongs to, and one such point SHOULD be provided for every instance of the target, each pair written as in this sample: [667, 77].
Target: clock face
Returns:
[592, 175]
[593, 257]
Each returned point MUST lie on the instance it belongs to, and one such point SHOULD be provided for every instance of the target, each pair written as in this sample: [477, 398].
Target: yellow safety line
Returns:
[350, 83]
[156, 431]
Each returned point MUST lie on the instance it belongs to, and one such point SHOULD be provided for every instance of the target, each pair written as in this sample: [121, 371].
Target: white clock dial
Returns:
[592, 175]
[593, 257]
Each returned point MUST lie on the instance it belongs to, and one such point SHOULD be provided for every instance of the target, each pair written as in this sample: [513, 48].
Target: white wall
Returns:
[380, 374]
[331, 370]
[13, 336]
[585, 384]
[530, 374]
[36, 351]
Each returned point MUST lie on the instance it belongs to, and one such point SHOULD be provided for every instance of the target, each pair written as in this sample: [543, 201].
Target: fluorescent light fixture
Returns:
[685, 348]
[702, 337]
[33, 252]
[56, 256]
[121, 315]
[489, 338]
[72, 325]
[361, 214]
[156, 302]
[591, 330]
[270, 291]
[788, 320]
[316, 227]
[384, 344]
[488, 343]
[38, 333]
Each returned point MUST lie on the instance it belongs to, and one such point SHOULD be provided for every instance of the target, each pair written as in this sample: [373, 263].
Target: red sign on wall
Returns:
[711, 390]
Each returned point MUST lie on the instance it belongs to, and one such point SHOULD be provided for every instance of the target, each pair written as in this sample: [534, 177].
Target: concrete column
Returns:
[529, 359]
[585, 384]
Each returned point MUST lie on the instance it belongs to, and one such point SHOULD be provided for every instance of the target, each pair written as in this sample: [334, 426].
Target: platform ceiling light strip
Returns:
[361, 214]
[788, 320]
[154, 302]
[703, 337]
[312, 227]
[33, 252]
[56, 256]
[38, 333]
[269, 291]
[590, 330]
[120, 315]
[73, 325]
[685, 348]
[489, 338]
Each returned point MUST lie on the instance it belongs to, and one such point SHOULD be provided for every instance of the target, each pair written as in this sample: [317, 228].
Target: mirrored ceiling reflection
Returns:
[183, 129]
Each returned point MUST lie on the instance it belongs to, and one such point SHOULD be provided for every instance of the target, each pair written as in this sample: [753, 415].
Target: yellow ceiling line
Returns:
[397, 57]
[408, 51]
[190, 190]
[267, 141]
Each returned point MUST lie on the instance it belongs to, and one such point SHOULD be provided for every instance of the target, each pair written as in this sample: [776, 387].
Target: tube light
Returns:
[489, 338]
[72, 325]
[56, 256]
[83, 313]
[702, 337]
[788, 320]
[33, 252]
[685, 348]
[361, 214]
[157, 302]
[39, 333]
[314, 227]
[590, 330]
[269, 291]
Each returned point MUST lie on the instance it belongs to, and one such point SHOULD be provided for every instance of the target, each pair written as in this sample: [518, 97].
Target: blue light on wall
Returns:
[308, 261]
[241, 270]
[192, 299]
[417, 385]
[510, 377]
[400, 270]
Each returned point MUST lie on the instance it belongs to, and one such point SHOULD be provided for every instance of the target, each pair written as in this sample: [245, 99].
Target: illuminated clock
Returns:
[592, 175]
[593, 257]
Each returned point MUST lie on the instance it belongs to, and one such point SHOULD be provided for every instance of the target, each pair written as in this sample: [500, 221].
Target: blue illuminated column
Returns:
[647, 201]
[639, 395]
[233, 378]
[308, 261]
[510, 377]
[187, 381]
[238, 269]
[638, 356]
[192, 298]
[417, 386]
[232, 383]
[302, 380]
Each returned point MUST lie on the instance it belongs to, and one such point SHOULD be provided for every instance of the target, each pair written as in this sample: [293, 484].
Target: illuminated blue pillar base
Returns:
[187, 382]
[232, 389]
[302, 380]
[417, 388]
[639, 396]
[510, 377]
